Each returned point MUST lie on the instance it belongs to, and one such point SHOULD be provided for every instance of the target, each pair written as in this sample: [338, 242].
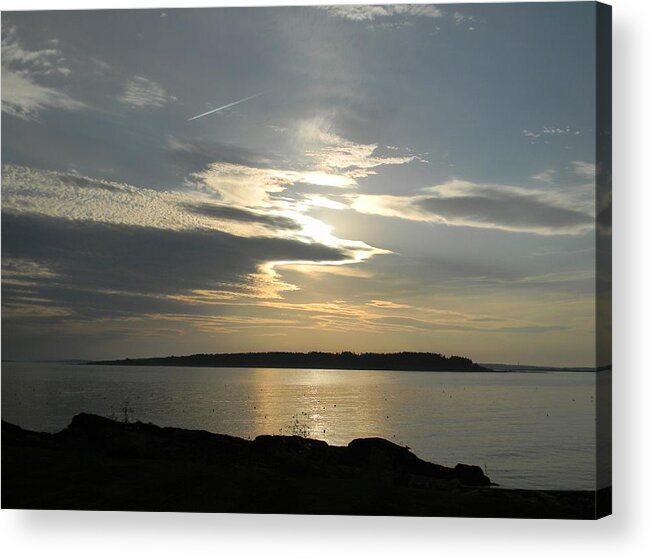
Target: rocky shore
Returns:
[101, 464]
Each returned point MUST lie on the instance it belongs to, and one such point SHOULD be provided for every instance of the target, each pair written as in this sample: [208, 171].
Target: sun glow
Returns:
[326, 179]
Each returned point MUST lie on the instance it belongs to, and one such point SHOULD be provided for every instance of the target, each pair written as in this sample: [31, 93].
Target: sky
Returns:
[406, 177]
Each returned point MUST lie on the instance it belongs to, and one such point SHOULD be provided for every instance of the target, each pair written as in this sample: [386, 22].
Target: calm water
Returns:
[528, 430]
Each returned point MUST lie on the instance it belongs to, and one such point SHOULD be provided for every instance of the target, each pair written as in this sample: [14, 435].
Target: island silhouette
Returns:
[402, 361]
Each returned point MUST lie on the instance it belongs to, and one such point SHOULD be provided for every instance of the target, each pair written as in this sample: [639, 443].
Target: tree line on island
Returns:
[402, 361]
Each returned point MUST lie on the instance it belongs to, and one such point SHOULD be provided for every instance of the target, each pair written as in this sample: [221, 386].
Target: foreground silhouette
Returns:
[403, 361]
[101, 464]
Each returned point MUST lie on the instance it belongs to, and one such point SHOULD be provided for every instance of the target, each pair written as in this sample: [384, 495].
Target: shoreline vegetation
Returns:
[98, 463]
[346, 360]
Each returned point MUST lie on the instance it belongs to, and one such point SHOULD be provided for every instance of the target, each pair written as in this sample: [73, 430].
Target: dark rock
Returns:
[13, 435]
[100, 464]
[471, 475]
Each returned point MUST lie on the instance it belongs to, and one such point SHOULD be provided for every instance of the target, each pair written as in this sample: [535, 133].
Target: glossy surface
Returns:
[527, 430]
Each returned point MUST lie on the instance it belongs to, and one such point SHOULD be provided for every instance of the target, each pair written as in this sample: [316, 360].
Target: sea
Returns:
[528, 430]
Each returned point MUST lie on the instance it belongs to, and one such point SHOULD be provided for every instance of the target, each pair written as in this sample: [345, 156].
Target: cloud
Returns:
[246, 186]
[100, 64]
[508, 208]
[23, 72]
[84, 278]
[325, 162]
[387, 304]
[325, 168]
[78, 198]
[200, 152]
[368, 13]
[355, 160]
[128, 258]
[419, 324]
[24, 98]
[16, 55]
[547, 176]
[322, 159]
[237, 214]
[378, 316]
[460, 18]
[77, 248]
[585, 170]
[396, 15]
[548, 132]
[86, 257]
[328, 152]
[143, 92]
[57, 198]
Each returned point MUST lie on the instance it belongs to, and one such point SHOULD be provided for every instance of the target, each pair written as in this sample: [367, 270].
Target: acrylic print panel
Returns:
[332, 259]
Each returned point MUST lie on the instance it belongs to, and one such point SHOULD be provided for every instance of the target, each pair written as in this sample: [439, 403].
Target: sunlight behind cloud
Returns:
[386, 191]
[568, 211]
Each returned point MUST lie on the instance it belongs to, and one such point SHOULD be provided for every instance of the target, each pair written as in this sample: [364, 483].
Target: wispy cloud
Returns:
[42, 62]
[585, 170]
[546, 133]
[78, 198]
[223, 211]
[546, 176]
[397, 15]
[328, 152]
[24, 72]
[61, 230]
[276, 222]
[232, 213]
[367, 13]
[460, 18]
[326, 160]
[24, 98]
[504, 207]
[140, 91]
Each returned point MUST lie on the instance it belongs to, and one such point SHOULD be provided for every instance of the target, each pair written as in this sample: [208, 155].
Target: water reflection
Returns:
[322, 404]
[528, 430]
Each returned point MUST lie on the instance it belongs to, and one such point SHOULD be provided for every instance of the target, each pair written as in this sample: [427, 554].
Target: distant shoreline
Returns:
[507, 368]
[403, 361]
[154, 361]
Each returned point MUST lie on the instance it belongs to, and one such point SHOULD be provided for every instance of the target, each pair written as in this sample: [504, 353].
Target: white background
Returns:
[625, 534]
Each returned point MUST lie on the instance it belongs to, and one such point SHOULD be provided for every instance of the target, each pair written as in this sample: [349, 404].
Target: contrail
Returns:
[225, 107]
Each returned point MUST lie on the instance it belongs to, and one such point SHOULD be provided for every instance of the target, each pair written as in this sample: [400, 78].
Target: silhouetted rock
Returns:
[373, 457]
[380, 455]
[12, 435]
[471, 475]
[101, 464]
